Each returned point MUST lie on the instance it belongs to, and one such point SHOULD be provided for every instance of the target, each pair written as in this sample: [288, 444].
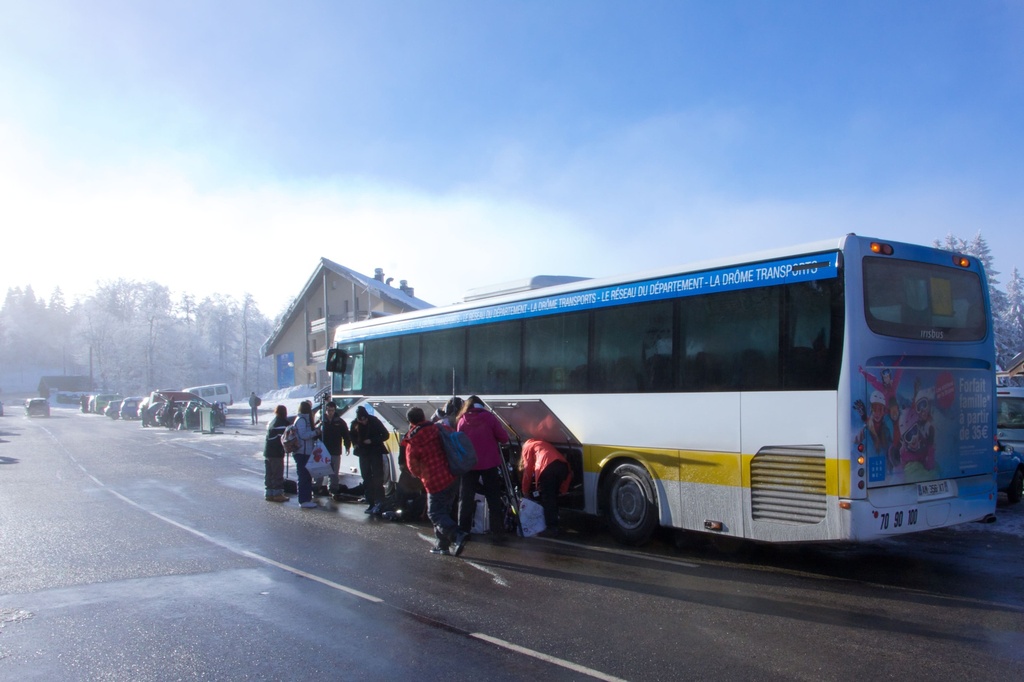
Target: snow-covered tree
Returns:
[1014, 318]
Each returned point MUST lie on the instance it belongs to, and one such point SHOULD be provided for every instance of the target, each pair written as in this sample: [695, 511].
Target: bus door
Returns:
[526, 419]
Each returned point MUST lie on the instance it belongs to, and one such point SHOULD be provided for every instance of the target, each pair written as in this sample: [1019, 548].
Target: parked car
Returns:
[37, 407]
[188, 416]
[178, 410]
[113, 409]
[1, 408]
[1010, 425]
[130, 407]
[101, 400]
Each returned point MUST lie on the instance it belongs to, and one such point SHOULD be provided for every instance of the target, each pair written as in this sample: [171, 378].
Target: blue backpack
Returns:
[459, 450]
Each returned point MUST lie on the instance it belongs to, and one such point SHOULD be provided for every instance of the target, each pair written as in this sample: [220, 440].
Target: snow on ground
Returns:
[1009, 521]
[290, 397]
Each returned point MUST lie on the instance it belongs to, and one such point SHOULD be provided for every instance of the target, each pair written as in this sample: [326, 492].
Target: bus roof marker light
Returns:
[879, 247]
[962, 261]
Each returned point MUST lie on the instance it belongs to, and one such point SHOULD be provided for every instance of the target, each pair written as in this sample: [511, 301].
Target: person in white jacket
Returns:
[308, 436]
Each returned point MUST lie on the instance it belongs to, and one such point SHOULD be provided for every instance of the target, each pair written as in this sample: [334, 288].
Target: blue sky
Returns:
[225, 146]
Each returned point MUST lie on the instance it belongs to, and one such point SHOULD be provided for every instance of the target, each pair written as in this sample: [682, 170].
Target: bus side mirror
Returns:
[337, 360]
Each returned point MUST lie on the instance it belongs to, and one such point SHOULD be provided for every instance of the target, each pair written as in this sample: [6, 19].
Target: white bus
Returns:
[842, 390]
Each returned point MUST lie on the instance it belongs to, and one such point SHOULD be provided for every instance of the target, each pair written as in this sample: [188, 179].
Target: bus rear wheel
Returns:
[631, 505]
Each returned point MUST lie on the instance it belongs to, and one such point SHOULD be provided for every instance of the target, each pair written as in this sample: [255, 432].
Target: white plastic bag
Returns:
[319, 463]
[481, 520]
[531, 517]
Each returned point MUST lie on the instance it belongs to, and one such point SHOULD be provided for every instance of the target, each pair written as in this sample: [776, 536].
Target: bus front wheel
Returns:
[631, 505]
[1016, 489]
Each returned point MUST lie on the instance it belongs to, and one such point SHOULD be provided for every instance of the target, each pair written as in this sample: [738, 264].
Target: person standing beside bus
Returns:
[335, 433]
[427, 461]
[369, 436]
[273, 456]
[487, 433]
[307, 437]
[546, 475]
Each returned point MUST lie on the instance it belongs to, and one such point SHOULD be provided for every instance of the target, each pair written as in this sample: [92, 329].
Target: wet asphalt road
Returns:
[145, 554]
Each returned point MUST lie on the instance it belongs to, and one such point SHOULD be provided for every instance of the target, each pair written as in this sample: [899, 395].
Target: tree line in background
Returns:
[133, 337]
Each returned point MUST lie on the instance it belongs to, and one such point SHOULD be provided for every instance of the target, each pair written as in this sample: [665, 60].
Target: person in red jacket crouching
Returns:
[546, 475]
[425, 456]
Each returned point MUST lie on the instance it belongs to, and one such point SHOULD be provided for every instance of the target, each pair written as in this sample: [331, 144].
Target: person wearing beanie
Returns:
[369, 438]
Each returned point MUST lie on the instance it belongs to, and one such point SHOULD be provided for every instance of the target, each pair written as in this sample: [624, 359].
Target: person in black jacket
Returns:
[335, 434]
[273, 456]
[368, 441]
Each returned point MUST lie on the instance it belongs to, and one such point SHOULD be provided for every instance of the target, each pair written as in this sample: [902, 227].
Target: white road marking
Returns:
[498, 580]
[597, 674]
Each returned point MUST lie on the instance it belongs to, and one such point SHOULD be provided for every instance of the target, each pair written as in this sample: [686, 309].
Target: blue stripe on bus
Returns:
[735, 278]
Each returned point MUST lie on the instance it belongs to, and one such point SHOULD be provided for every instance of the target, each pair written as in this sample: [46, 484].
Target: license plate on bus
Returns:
[936, 490]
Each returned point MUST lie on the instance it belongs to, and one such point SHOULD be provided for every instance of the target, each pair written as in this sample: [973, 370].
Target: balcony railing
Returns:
[318, 326]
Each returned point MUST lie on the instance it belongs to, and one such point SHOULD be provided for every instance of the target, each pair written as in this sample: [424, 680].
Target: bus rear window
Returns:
[922, 301]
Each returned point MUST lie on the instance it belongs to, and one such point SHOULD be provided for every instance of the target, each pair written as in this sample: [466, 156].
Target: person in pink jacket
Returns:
[487, 433]
[546, 475]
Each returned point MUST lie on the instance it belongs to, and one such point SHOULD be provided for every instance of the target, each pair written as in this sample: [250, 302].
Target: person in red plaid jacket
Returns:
[425, 456]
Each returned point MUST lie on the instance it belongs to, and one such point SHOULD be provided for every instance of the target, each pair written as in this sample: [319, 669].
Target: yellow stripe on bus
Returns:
[702, 467]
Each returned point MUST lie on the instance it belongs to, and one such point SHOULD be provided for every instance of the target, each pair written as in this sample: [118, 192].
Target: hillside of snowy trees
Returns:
[133, 337]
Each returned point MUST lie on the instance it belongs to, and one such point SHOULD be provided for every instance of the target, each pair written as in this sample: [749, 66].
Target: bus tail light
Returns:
[883, 249]
[712, 525]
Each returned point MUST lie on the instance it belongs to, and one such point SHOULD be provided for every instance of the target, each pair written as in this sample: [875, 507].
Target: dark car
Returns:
[130, 407]
[37, 407]
[1010, 422]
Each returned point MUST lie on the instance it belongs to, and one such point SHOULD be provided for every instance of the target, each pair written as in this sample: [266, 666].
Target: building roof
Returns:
[73, 383]
[1016, 365]
[383, 290]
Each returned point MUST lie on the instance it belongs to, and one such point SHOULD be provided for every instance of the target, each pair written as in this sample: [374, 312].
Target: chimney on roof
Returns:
[403, 285]
[378, 274]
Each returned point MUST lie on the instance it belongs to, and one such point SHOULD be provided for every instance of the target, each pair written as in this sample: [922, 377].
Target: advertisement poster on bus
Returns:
[922, 424]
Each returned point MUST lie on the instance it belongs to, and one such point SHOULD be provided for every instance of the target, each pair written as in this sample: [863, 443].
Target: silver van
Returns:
[212, 393]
